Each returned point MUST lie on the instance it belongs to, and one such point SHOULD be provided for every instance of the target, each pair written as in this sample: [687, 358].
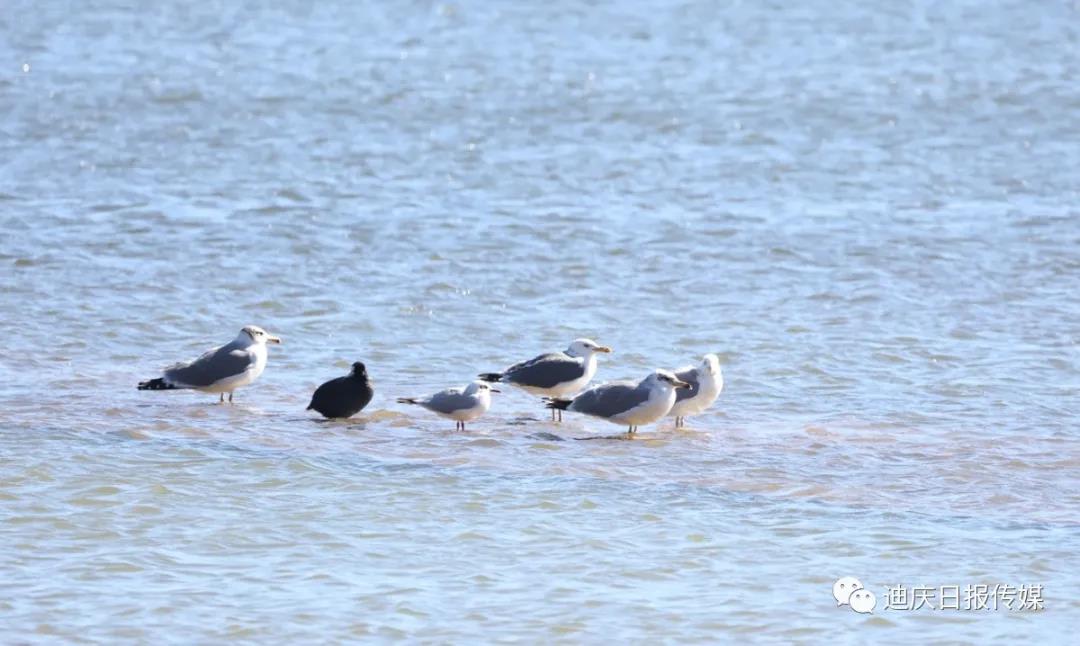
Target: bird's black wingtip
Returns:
[557, 404]
[155, 384]
[492, 377]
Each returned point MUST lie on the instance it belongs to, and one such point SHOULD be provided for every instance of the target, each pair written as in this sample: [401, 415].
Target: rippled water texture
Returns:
[867, 209]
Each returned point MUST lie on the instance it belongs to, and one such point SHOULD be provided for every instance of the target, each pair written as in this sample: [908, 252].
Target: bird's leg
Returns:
[222, 400]
[560, 415]
[230, 397]
[553, 414]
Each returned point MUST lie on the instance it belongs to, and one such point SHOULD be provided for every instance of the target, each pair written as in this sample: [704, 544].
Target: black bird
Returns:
[344, 396]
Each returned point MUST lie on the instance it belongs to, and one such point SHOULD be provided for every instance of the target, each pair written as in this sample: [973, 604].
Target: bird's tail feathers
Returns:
[493, 377]
[156, 384]
[407, 400]
[557, 404]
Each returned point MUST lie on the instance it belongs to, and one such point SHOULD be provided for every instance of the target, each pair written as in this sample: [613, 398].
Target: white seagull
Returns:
[627, 402]
[460, 405]
[706, 381]
[222, 369]
[555, 374]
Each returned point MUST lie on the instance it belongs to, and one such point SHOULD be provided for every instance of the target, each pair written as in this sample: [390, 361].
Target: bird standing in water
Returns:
[344, 396]
[460, 405]
[222, 369]
[706, 381]
[555, 374]
[627, 402]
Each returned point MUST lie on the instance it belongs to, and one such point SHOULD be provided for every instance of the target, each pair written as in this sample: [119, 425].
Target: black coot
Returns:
[344, 396]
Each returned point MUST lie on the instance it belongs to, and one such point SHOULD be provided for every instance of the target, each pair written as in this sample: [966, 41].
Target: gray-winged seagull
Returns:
[555, 374]
[706, 381]
[222, 369]
[627, 402]
[457, 404]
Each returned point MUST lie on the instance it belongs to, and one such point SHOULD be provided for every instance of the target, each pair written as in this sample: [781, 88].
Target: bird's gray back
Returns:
[611, 399]
[215, 365]
[690, 376]
[449, 401]
[546, 371]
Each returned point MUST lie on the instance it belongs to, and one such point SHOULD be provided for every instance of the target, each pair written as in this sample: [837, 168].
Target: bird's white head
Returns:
[667, 379]
[710, 363]
[585, 348]
[258, 335]
[480, 388]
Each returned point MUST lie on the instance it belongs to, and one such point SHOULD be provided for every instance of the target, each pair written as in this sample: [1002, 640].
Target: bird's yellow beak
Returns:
[273, 339]
[680, 384]
[604, 349]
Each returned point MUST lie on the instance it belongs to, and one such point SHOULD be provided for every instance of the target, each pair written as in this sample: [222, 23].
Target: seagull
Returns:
[627, 402]
[222, 369]
[706, 381]
[344, 396]
[556, 374]
[461, 405]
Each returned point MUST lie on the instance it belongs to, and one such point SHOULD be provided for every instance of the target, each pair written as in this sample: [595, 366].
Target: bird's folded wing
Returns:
[610, 399]
[215, 365]
[546, 371]
[449, 401]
